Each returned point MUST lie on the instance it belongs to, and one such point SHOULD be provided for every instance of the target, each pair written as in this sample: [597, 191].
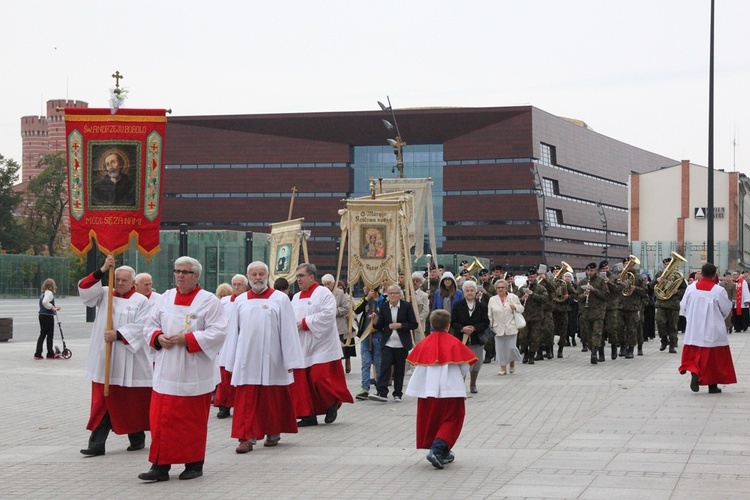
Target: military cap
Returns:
[497, 268]
[464, 271]
[591, 265]
[532, 270]
[603, 264]
[483, 272]
[464, 262]
[666, 261]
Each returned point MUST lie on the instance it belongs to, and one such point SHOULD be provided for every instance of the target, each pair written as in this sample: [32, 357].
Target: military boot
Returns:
[623, 350]
[539, 355]
[601, 354]
[673, 347]
[550, 353]
[640, 349]
[531, 358]
[593, 357]
[525, 356]
[614, 351]
[629, 353]
[664, 343]
[585, 347]
[559, 351]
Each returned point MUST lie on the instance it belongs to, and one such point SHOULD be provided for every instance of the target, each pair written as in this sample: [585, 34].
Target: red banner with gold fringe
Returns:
[115, 172]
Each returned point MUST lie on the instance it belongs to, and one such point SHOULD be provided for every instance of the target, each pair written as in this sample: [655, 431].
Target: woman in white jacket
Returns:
[500, 310]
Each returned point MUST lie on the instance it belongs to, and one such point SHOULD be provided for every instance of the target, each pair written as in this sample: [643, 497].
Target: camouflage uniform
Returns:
[560, 313]
[613, 328]
[631, 309]
[531, 336]
[667, 316]
[593, 309]
[548, 325]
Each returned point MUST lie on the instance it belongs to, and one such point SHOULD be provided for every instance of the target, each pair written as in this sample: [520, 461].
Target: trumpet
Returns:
[627, 278]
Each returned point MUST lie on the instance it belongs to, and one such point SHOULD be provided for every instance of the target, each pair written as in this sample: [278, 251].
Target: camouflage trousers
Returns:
[632, 328]
[591, 331]
[548, 330]
[613, 328]
[666, 323]
[530, 337]
[560, 320]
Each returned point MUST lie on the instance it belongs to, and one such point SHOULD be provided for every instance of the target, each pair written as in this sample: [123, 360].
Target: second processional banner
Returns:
[115, 171]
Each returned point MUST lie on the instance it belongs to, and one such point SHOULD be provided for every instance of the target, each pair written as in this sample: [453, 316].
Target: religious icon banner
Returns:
[115, 171]
[422, 191]
[285, 249]
[375, 240]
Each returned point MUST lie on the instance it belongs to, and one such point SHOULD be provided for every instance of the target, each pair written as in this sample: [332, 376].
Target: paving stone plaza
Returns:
[561, 428]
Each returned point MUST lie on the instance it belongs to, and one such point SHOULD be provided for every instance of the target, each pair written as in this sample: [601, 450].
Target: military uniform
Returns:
[548, 328]
[613, 328]
[561, 313]
[668, 315]
[534, 310]
[631, 309]
[593, 309]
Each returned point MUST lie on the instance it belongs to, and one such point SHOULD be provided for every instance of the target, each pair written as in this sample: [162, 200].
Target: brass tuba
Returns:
[672, 279]
[475, 266]
[627, 278]
[561, 286]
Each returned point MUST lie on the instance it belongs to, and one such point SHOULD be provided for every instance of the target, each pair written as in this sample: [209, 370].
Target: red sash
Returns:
[738, 300]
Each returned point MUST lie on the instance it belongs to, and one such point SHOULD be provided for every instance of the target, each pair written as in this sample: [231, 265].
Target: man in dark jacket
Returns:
[396, 319]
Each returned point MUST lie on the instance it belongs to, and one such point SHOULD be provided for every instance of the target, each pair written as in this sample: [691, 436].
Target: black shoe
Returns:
[623, 351]
[538, 357]
[585, 348]
[331, 413]
[223, 412]
[308, 421]
[694, 385]
[190, 474]
[90, 452]
[136, 447]
[664, 344]
[640, 350]
[154, 475]
[593, 358]
[629, 352]
[550, 354]
[559, 351]
[673, 348]
[531, 360]
[487, 360]
[614, 351]
[601, 354]
[525, 358]
[714, 389]
[574, 343]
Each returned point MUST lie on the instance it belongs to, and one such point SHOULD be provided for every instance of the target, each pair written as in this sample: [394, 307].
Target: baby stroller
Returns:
[65, 353]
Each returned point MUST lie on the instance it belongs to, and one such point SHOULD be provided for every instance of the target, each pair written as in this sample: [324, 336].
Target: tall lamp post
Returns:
[539, 190]
[603, 220]
[397, 143]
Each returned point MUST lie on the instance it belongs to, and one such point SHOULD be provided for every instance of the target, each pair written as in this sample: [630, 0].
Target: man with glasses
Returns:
[320, 387]
[186, 329]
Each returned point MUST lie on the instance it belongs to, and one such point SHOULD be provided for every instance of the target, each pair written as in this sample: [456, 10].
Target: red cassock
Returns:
[225, 390]
[318, 387]
[128, 408]
[439, 418]
[184, 439]
[263, 410]
[713, 365]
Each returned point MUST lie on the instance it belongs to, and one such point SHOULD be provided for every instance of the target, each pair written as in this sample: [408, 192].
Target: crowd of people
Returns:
[278, 361]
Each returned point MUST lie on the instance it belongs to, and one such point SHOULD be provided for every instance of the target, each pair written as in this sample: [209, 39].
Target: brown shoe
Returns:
[244, 447]
[271, 442]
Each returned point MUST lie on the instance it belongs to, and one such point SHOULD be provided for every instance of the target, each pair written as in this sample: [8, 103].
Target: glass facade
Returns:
[420, 161]
[23, 275]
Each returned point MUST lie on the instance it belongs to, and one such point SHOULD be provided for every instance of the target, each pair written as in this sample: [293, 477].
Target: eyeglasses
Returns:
[300, 276]
[183, 272]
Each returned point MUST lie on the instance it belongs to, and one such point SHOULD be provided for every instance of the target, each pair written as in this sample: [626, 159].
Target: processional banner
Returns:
[375, 240]
[422, 191]
[285, 249]
[115, 171]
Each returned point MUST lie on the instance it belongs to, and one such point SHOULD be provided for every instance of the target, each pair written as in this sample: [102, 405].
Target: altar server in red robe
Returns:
[262, 350]
[126, 408]
[224, 397]
[441, 363]
[320, 387]
[186, 329]
[705, 350]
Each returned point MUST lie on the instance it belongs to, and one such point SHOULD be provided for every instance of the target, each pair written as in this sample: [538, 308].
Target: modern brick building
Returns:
[498, 174]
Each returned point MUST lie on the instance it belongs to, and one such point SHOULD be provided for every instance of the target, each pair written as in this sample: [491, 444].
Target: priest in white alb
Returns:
[125, 410]
[186, 329]
[320, 387]
[262, 350]
[705, 351]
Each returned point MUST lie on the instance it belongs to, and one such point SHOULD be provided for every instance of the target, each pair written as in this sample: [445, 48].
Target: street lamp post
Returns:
[603, 220]
[397, 143]
[539, 190]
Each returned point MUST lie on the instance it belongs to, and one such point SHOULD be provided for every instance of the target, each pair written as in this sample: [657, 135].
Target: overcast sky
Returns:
[636, 70]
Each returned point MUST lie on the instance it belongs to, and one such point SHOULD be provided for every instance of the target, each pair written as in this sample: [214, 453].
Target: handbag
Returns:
[486, 335]
[519, 319]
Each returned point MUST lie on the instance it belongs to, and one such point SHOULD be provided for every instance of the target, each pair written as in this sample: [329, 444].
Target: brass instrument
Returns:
[561, 286]
[627, 278]
[475, 266]
[672, 279]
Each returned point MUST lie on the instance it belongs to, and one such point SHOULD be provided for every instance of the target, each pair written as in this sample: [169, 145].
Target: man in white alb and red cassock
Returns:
[263, 348]
[224, 397]
[320, 387]
[705, 351]
[143, 285]
[125, 410]
[185, 331]
[741, 307]
[441, 363]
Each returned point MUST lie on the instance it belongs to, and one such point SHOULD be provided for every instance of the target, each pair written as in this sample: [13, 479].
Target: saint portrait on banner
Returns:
[113, 180]
[374, 244]
[282, 258]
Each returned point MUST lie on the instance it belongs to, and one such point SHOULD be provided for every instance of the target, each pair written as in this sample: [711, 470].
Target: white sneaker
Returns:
[378, 397]
[396, 399]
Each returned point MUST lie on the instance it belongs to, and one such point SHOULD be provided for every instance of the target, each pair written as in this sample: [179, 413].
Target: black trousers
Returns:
[392, 357]
[46, 331]
[99, 435]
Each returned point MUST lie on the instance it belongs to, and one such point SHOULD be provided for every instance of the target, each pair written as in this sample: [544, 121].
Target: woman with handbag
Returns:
[469, 324]
[504, 311]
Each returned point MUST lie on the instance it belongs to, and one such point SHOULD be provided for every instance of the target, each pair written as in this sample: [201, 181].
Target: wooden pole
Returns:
[108, 345]
[291, 203]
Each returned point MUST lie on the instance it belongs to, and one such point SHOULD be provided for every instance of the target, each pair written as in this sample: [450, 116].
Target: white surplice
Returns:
[130, 364]
[262, 340]
[178, 372]
[438, 381]
[320, 344]
[705, 312]
[226, 355]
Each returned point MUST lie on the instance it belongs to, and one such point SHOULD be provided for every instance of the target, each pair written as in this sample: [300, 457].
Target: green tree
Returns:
[10, 200]
[46, 205]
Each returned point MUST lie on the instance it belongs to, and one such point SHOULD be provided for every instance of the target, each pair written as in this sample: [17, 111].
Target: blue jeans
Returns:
[370, 353]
